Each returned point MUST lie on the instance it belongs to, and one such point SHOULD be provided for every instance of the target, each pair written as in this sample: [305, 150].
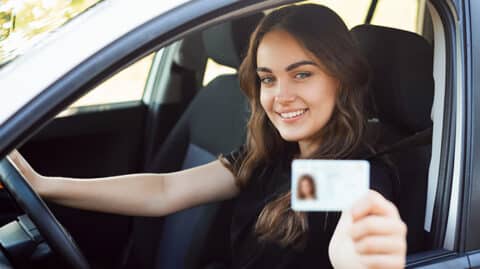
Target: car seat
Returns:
[401, 99]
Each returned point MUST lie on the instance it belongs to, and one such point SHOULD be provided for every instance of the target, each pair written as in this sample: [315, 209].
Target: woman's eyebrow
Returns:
[264, 69]
[298, 64]
[289, 67]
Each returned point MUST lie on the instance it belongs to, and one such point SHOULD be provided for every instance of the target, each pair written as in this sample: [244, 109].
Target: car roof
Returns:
[60, 51]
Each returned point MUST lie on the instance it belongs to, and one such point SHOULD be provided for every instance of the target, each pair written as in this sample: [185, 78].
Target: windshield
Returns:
[25, 22]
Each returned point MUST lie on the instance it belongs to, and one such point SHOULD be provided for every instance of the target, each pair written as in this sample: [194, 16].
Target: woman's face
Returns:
[306, 188]
[296, 94]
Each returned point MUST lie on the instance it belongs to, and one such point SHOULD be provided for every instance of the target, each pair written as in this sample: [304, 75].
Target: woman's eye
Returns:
[302, 75]
[266, 80]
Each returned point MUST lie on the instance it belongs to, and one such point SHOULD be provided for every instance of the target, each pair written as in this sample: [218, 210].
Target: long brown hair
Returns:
[324, 34]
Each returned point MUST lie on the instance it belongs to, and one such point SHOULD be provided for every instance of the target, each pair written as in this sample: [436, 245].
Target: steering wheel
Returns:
[30, 202]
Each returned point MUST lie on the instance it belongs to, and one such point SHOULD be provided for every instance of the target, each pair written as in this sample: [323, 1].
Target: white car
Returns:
[187, 110]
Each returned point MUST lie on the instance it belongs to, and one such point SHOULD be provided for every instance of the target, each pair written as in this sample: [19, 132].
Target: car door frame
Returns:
[470, 240]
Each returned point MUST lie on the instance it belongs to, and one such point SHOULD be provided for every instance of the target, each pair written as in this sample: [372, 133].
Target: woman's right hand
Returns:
[25, 169]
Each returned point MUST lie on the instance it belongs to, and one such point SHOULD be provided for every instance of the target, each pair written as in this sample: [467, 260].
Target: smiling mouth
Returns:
[293, 114]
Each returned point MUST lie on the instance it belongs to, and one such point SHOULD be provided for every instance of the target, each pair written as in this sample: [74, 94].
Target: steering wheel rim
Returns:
[56, 236]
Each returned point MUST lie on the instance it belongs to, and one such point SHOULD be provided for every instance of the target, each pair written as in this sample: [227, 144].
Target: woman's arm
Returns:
[135, 194]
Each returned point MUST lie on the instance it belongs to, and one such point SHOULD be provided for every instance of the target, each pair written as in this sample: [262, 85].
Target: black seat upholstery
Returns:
[214, 123]
[402, 97]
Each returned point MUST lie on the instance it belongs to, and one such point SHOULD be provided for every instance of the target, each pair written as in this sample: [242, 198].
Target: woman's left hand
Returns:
[370, 235]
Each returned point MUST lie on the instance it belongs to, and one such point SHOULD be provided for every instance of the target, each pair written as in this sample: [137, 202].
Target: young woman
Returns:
[306, 188]
[305, 81]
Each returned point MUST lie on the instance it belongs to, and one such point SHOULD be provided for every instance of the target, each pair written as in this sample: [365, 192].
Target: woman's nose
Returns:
[284, 93]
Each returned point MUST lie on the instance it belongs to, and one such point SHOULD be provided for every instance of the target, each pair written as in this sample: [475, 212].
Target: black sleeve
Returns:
[236, 155]
[383, 180]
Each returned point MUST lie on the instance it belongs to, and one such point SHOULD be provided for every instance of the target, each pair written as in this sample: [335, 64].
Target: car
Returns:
[188, 110]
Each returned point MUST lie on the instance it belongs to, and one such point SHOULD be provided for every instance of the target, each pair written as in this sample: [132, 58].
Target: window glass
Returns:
[127, 85]
[391, 13]
[352, 12]
[397, 14]
[213, 69]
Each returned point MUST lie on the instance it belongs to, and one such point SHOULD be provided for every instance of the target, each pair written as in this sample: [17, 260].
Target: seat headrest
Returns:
[402, 84]
[227, 43]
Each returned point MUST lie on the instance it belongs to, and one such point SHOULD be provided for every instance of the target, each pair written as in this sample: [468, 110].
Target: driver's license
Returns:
[328, 185]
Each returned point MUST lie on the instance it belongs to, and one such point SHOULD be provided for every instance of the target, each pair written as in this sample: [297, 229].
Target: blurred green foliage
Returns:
[24, 21]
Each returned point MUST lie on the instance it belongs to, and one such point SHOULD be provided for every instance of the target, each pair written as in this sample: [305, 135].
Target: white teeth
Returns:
[289, 115]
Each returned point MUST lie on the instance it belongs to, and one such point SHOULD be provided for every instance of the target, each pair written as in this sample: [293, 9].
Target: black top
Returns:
[266, 185]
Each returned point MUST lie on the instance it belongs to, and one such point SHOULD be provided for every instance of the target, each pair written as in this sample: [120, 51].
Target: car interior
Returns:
[183, 124]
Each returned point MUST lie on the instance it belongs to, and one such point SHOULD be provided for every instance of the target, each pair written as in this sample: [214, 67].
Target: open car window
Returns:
[126, 86]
